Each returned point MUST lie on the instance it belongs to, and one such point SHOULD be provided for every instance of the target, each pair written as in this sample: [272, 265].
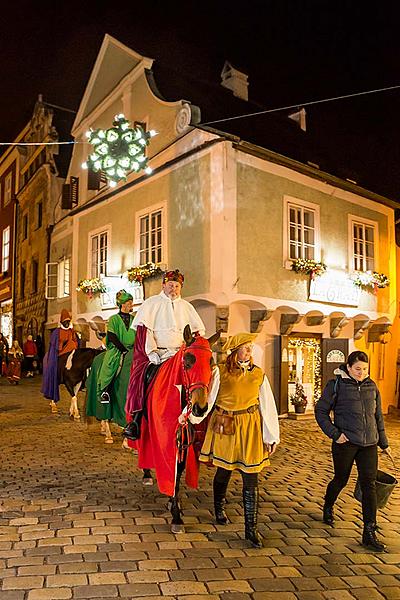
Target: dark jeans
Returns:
[366, 459]
[250, 480]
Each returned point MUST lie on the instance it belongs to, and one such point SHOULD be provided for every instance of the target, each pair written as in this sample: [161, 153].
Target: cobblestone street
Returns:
[76, 522]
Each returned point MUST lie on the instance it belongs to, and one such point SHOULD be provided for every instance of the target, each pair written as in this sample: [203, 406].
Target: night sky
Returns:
[293, 51]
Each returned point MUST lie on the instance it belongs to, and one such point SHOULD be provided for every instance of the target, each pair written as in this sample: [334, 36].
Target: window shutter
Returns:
[66, 201]
[51, 280]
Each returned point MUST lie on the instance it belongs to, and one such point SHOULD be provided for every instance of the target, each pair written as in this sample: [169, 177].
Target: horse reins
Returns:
[185, 433]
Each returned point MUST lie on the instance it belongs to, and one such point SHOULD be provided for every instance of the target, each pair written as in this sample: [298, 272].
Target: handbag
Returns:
[385, 484]
[132, 430]
[223, 424]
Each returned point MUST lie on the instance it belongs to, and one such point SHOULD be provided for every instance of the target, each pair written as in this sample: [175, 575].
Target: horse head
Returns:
[197, 363]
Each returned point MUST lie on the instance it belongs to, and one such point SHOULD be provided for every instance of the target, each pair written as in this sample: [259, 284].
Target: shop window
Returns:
[304, 367]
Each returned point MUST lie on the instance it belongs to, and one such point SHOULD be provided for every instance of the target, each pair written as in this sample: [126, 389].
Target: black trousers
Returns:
[366, 459]
[250, 480]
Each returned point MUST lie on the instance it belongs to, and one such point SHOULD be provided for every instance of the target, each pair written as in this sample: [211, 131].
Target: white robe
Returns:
[165, 320]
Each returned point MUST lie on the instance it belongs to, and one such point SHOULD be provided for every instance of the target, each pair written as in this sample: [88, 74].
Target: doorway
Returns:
[304, 367]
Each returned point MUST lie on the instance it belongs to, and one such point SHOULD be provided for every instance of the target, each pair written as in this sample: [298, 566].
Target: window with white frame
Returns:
[303, 225]
[151, 237]
[64, 278]
[8, 189]
[98, 254]
[363, 245]
[58, 279]
[5, 252]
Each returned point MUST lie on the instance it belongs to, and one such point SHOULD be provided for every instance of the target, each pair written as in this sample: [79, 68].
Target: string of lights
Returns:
[302, 104]
[244, 116]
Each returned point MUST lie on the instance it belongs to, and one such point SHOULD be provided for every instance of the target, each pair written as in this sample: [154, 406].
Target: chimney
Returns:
[235, 80]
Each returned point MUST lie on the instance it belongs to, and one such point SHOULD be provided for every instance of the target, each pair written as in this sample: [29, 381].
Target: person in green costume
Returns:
[109, 376]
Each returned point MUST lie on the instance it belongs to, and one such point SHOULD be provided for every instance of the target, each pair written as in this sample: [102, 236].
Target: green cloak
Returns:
[104, 368]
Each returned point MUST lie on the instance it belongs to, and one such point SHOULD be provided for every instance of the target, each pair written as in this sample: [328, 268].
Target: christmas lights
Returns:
[119, 150]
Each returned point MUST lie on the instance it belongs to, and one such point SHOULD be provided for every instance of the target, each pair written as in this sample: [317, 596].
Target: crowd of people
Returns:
[242, 431]
[16, 361]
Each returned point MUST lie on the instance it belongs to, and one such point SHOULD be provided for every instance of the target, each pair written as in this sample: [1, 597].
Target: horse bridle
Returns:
[185, 432]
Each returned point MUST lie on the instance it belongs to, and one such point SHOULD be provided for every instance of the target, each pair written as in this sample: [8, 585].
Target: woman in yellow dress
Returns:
[243, 430]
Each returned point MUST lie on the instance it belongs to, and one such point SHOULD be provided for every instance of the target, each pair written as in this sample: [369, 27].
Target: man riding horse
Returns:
[164, 318]
[109, 376]
[63, 342]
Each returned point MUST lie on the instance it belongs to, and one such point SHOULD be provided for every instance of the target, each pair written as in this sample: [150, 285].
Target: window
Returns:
[150, 240]
[35, 276]
[25, 227]
[8, 189]
[22, 282]
[363, 246]
[39, 214]
[302, 232]
[64, 278]
[5, 262]
[58, 279]
[98, 256]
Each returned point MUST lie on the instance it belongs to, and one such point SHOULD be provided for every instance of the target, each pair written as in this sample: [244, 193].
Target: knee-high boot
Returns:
[250, 503]
[219, 488]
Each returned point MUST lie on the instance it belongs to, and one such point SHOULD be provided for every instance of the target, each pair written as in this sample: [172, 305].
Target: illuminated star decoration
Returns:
[119, 150]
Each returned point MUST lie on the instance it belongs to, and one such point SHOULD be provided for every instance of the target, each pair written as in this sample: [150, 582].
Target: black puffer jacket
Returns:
[356, 408]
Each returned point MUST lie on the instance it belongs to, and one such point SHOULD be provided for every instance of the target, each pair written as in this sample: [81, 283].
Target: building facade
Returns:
[38, 195]
[9, 181]
[234, 217]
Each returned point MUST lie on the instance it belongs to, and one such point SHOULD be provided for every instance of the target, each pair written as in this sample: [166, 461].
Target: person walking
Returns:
[357, 429]
[3, 355]
[243, 430]
[15, 358]
[30, 352]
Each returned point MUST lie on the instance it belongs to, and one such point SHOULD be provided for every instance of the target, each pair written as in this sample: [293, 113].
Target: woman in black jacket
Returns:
[357, 430]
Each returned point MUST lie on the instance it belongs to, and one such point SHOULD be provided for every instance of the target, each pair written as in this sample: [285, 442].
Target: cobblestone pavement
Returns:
[76, 522]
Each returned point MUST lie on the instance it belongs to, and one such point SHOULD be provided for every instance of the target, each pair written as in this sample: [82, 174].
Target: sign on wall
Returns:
[114, 284]
[334, 288]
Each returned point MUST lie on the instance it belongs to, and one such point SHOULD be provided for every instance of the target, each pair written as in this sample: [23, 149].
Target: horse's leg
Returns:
[177, 525]
[54, 407]
[109, 437]
[73, 390]
[74, 403]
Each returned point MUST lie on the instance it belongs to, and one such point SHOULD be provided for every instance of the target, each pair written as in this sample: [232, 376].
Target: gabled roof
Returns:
[113, 63]
[273, 131]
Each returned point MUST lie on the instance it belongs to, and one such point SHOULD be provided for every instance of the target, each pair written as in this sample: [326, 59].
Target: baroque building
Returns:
[37, 197]
[236, 208]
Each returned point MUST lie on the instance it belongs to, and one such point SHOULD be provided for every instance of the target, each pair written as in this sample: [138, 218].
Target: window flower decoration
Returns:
[308, 267]
[143, 271]
[91, 287]
[370, 280]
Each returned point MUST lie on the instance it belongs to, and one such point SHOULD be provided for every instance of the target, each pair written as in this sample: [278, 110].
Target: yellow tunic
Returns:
[244, 450]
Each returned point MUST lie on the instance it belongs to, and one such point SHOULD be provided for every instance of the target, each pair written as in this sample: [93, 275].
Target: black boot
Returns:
[250, 504]
[219, 488]
[369, 539]
[327, 515]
